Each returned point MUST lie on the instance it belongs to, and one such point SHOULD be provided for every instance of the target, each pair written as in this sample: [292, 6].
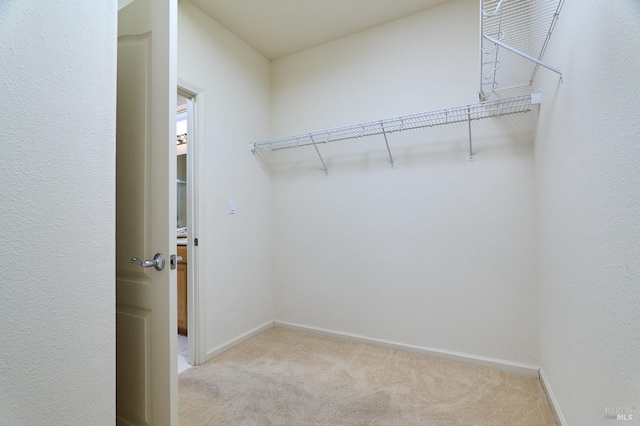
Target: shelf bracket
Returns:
[495, 12]
[524, 55]
[384, 133]
[326, 172]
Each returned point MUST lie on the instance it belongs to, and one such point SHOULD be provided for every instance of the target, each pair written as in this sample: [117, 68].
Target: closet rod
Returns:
[461, 114]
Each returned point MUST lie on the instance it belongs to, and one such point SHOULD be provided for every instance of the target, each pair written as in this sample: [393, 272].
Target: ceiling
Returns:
[277, 28]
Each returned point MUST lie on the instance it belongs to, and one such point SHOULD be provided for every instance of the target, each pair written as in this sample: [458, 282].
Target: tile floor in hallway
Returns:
[183, 353]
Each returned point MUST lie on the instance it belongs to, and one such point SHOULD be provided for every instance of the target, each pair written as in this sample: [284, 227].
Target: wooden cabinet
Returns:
[182, 291]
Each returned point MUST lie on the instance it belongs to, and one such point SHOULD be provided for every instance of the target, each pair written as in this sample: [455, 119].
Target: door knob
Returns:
[157, 262]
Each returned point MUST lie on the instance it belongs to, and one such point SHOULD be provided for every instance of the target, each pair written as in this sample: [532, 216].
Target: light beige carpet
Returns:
[284, 377]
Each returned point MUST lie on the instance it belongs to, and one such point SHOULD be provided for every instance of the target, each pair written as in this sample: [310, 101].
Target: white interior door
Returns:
[146, 344]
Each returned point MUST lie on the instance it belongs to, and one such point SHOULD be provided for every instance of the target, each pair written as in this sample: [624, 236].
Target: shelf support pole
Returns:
[470, 140]
[326, 172]
[384, 133]
[524, 55]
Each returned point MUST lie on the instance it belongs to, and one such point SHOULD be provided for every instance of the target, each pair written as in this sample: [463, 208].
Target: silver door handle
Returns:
[157, 262]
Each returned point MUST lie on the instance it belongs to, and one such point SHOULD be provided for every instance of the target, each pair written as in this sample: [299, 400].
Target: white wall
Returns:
[587, 166]
[235, 250]
[58, 85]
[440, 252]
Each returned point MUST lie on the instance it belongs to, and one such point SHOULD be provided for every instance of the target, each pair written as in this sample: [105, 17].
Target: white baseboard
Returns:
[521, 369]
[555, 407]
[212, 353]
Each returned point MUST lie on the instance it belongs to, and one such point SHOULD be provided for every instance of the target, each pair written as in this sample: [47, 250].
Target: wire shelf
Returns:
[514, 35]
[466, 113]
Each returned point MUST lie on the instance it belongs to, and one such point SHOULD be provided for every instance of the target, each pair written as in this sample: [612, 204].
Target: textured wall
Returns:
[58, 66]
[235, 250]
[587, 167]
[439, 252]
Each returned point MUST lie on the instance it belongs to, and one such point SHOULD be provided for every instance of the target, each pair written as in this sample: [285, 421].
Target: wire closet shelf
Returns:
[514, 35]
[461, 114]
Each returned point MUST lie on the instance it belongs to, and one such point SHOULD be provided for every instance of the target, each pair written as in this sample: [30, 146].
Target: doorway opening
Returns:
[187, 241]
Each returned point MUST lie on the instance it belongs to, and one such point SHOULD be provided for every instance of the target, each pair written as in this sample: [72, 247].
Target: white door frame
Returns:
[195, 291]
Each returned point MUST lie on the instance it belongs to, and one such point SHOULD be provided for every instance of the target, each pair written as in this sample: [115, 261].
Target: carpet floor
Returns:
[285, 377]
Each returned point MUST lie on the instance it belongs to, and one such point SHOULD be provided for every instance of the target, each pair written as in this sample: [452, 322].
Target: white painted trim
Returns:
[195, 289]
[229, 344]
[521, 369]
[188, 87]
[555, 406]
